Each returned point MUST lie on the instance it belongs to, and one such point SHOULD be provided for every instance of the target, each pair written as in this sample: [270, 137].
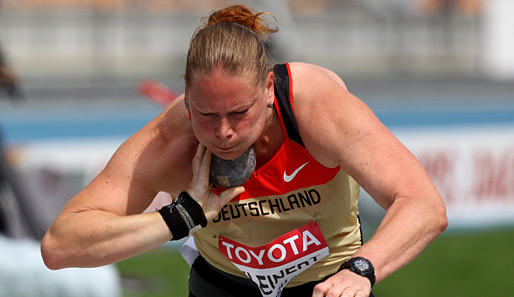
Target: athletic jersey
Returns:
[290, 192]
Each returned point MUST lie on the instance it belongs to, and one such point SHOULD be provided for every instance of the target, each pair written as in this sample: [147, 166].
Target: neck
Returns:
[270, 141]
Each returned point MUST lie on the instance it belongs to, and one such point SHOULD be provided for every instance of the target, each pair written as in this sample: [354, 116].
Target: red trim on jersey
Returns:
[291, 157]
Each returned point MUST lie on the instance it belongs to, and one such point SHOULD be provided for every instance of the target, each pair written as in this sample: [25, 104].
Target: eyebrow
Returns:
[243, 106]
[246, 105]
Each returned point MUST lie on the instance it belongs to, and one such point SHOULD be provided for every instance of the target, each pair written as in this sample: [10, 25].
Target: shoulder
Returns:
[169, 127]
[156, 158]
[320, 100]
[163, 147]
[307, 75]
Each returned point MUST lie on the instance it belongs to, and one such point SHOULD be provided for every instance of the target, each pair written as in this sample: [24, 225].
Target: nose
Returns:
[224, 129]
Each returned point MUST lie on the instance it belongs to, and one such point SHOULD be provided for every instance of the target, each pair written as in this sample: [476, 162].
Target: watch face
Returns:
[361, 265]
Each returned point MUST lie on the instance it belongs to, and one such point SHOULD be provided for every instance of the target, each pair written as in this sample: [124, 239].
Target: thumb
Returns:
[229, 194]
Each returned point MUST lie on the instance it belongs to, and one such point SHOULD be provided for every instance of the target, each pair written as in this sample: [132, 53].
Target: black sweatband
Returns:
[183, 216]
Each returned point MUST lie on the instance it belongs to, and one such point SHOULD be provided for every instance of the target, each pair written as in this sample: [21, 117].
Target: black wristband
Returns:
[183, 216]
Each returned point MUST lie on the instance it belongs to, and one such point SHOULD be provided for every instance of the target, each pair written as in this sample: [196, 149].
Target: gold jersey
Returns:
[288, 192]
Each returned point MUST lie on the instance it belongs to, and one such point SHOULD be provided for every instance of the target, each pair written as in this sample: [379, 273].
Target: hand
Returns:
[201, 190]
[343, 284]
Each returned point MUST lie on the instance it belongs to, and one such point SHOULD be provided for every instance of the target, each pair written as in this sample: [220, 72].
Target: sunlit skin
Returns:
[230, 113]
[105, 222]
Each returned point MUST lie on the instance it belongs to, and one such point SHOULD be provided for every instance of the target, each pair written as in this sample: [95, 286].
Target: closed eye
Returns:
[206, 114]
[240, 113]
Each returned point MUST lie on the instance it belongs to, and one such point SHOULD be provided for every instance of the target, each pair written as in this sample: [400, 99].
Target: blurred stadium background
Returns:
[439, 73]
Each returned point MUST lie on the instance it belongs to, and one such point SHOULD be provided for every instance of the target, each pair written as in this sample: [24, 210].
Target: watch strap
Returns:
[360, 266]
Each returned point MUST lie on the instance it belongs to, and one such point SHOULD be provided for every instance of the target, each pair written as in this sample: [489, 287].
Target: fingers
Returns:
[198, 158]
[338, 292]
[229, 194]
[343, 284]
[199, 187]
[321, 289]
[350, 292]
[206, 164]
[201, 163]
[216, 202]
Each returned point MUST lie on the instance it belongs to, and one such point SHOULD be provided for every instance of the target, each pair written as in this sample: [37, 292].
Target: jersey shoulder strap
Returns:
[284, 96]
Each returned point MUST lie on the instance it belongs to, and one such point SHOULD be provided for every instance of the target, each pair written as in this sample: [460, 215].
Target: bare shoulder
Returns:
[305, 72]
[163, 148]
[340, 129]
[156, 158]
[320, 98]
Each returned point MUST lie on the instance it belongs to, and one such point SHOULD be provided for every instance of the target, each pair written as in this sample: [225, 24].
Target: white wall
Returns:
[472, 166]
[498, 39]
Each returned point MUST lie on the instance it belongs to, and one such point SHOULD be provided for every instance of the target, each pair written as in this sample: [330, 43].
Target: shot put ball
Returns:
[231, 173]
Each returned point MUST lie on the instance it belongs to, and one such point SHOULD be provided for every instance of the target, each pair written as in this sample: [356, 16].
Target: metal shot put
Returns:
[231, 173]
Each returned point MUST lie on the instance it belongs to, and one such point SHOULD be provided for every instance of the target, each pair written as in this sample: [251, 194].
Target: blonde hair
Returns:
[233, 39]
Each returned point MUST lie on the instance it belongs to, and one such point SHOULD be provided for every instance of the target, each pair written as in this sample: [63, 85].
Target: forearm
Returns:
[406, 229]
[95, 238]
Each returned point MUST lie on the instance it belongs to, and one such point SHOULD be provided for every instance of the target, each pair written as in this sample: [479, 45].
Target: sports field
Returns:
[467, 264]
[458, 264]
[438, 75]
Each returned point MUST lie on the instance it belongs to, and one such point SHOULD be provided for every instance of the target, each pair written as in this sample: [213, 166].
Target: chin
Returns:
[229, 155]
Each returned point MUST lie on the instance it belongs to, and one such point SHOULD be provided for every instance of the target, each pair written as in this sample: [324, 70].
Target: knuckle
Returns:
[320, 288]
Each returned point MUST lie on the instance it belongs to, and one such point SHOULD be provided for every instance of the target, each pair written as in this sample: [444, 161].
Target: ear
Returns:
[270, 86]
[186, 102]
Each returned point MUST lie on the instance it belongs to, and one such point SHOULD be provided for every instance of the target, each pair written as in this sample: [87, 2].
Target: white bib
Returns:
[273, 265]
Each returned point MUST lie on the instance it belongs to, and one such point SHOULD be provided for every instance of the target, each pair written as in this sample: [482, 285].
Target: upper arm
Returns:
[339, 129]
[143, 165]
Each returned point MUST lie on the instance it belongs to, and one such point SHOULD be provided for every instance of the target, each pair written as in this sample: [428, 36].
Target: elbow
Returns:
[443, 223]
[50, 253]
[440, 219]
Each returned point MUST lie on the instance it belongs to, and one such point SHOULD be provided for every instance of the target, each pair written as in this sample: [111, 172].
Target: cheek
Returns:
[245, 125]
[202, 129]
[251, 126]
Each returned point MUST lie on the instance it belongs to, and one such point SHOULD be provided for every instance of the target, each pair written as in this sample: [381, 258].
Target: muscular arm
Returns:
[103, 223]
[339, 129]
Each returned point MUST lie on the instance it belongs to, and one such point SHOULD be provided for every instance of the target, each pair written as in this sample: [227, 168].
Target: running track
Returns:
[105, 111]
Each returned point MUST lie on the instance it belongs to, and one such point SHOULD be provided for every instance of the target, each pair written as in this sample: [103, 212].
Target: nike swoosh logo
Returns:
[288, 178]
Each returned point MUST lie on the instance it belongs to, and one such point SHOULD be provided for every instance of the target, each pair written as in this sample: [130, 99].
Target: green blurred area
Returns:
[457, 264]
[157, 273]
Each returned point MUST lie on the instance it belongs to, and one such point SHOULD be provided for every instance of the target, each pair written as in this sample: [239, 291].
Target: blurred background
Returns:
[438, 73]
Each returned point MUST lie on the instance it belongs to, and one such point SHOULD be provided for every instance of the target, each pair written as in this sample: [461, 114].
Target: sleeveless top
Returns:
[291, 190]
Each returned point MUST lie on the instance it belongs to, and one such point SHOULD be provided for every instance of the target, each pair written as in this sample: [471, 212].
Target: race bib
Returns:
[273, 265]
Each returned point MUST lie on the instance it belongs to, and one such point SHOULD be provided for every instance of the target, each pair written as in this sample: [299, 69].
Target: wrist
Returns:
[183, 216]
[193, 193]
[362, 267]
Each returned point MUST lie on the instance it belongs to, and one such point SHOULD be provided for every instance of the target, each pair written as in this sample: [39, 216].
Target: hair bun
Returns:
[244, 16]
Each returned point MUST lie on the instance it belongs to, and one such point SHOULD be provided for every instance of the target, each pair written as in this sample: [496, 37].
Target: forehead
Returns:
[221, 89]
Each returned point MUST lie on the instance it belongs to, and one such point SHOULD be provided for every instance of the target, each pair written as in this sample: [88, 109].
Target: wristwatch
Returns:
[361, 266]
